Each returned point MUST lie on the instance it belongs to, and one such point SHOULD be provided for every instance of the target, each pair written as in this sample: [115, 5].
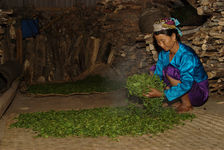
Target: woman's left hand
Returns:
[153, 93]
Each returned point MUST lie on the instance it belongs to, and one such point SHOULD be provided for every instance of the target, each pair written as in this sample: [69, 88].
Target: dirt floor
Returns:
[205, 132]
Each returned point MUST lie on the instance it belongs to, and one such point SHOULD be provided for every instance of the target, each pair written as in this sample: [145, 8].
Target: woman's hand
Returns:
[153, 93]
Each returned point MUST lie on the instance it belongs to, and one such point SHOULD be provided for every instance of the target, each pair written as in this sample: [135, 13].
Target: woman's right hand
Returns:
[153, 93]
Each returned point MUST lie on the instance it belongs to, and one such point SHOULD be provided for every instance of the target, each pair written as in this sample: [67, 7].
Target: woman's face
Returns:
[166, 42]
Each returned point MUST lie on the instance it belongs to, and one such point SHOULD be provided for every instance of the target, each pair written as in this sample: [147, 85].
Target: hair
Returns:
[167, 32]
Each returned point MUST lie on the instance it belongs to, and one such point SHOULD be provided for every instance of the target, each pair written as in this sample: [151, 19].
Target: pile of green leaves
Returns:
[90, 84]
[140, 84]
[111, 122]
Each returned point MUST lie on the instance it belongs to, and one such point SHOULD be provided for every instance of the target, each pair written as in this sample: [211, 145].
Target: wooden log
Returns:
[7, 97]
[214, 73]
[209, 54]
[214, 87]
[77, 47]
[96, 47]
[220, 80]
[190, 31]
[220, 92]
[110, 57]
[214, 61]
[221, 59]
[209, 69]
[218, 66]
[211, 74]
[8, 12]
[19, 48]
[216, 34]
[3, 20]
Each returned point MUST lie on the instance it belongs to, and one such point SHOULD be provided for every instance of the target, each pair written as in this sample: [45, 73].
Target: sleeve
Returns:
[186, 76]
[159, 66]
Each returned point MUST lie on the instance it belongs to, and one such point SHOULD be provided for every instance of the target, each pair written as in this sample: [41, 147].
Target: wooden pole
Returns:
[19, 48]
[95, 50]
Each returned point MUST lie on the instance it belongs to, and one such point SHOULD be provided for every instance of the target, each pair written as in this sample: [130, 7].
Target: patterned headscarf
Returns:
[167, 23]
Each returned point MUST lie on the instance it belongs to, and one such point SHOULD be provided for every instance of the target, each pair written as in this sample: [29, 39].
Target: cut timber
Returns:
[7, 97]
[214, 73]
[8, 12]
[19, 46]
[190, 31]
[95, 50]
[211, 74]
[210, 68]
[221, 91]
[110, 57]
[209, 54]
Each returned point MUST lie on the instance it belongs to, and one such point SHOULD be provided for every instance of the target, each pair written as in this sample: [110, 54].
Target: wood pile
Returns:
[6, 23]
[5, 17]
[207, 41]
[72, 43]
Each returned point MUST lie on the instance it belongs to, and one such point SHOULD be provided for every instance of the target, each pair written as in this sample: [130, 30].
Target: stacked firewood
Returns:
[207, 41]
[6, 24]
[5, 17]
[72, 43]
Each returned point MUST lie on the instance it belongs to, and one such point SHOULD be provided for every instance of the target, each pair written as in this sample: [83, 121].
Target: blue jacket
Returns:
[189, 65]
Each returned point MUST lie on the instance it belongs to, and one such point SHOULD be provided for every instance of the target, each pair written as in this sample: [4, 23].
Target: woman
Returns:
[180, 68]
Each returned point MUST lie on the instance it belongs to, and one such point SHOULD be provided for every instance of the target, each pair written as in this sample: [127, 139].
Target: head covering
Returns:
[165, 24]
